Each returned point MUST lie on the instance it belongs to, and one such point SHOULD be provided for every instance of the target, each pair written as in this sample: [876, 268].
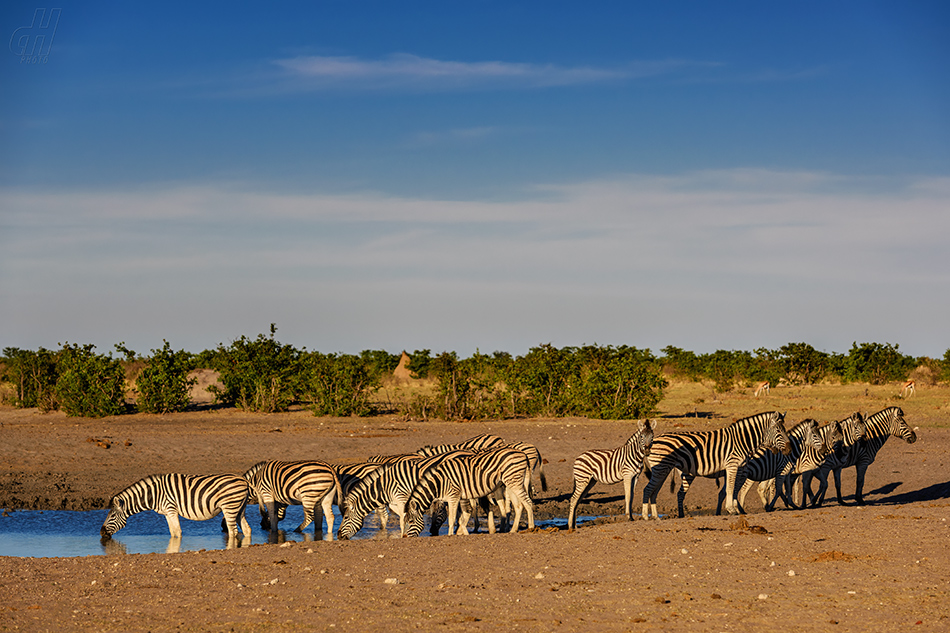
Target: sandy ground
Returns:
[882, 567]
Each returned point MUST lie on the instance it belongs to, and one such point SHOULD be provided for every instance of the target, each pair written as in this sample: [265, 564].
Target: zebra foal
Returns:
[611, 467]
[197, 498]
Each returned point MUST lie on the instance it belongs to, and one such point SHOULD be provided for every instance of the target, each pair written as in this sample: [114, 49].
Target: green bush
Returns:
[617, 383]
[877, 364]
[33, 376]
[89, 384]
[258, 375]
[163, 383]
[340, 384]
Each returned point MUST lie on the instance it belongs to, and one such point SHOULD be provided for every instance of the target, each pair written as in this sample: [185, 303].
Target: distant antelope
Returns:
[762, 386]
[908, 388]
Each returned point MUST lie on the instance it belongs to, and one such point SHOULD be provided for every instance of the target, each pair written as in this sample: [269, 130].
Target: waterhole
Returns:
[55, 533]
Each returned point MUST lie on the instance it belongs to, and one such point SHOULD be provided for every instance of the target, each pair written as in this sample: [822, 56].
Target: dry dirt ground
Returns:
[881, 567]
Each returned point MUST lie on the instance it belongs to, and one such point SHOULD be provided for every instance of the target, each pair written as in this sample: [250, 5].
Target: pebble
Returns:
[791, 572]
[391, 581]
[763, 596]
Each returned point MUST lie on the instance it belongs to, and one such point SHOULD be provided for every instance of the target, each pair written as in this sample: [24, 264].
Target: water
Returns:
[56, 533]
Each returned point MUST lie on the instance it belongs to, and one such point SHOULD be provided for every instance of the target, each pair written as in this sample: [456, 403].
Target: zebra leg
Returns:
[819, 497]
[685, 481]
[580, 489]
[465, 513]
[731, 476]
[722, 500]
[438, 515]
[453, 507]
[837, 473]
[327, 505]
[628, 484]
[270, 516]
[231, 521]
[859, 483]
[743, 491]
[650, 492]
[174, 527]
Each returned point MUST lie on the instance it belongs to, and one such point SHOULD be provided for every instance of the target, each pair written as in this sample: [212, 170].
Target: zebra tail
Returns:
[544, 481]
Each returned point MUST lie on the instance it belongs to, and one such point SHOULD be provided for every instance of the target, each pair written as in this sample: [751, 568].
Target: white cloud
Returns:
[415, 72]
[715, 257]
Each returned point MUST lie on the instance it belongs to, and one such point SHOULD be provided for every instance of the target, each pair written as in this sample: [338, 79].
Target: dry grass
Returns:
[930, 406]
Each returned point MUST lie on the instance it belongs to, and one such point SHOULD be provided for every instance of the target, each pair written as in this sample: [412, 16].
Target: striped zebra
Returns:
[706, 453]
[811, 459]
[880, 426]
[311, 484]
[471, 478]
[835, 436]
[764, 465]
[196, 498]
[389, 486]
[611, 467]
[853, 429]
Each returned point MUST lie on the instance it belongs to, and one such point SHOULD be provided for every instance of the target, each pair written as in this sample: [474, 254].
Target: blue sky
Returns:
[480, 175]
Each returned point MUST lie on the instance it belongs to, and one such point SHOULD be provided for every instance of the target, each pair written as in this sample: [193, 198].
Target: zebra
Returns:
[611, 467]
[472, 477]
[307, 483]
[389, 486]
[880, 426]
[831, 436]
[837, 435]
[853, 429]
[197, 498]
[706, 453]
[765, 466]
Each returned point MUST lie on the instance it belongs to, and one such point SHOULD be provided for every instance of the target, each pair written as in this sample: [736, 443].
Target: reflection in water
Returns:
[111, 546]
[32, 533]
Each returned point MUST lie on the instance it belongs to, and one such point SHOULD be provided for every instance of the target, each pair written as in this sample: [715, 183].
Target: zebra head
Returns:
[853, 428]
[352, 522]
[415, 518]
[834, 436]
[776, 437]
[643, 438]
[813, 437]
[899, 428]
[119, 513]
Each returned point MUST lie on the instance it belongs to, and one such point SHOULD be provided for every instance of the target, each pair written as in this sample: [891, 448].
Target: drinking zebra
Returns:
[880, 426]
[611, 467]
[389, 486]
[470, 478]
[764, 465]
[705, 454]
[196, 498]
[311, 484]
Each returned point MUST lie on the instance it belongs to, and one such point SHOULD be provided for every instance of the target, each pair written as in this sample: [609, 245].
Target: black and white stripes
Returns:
[611, 467]
[196, 498]
[708, 453]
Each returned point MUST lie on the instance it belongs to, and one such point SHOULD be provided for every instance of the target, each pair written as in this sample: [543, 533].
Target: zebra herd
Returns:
[450, 482]
[439, 480]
